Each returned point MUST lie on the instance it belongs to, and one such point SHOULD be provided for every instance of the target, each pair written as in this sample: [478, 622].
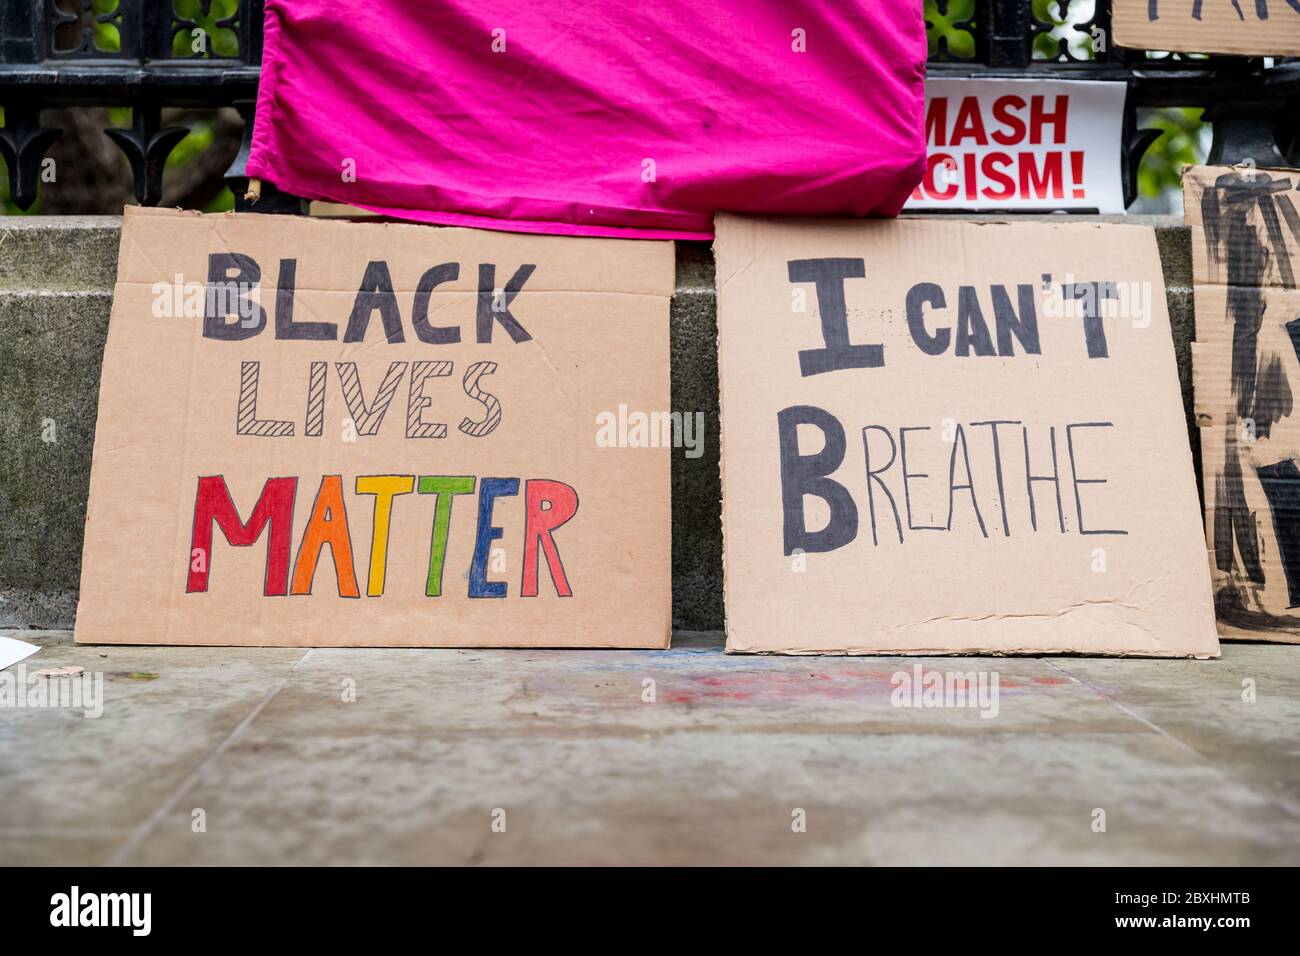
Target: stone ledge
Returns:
[56, 277]
[59, 252]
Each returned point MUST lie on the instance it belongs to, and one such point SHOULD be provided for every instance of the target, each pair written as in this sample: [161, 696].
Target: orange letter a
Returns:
[328, 525]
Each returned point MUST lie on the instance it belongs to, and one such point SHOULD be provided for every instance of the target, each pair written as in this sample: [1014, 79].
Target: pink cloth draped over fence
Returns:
[596, 118]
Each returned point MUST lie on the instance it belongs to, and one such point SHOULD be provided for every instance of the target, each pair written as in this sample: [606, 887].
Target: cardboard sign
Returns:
[329, 433]
[948, 437]
[1245, 227]
[1022, 144]
[1253, 27]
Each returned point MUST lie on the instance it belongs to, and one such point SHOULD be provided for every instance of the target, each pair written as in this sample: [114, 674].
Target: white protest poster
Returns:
[1018, 145]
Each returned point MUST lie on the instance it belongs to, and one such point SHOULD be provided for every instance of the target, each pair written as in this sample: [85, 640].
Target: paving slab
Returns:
[67, 779]
[1241, 715]
[407, 756]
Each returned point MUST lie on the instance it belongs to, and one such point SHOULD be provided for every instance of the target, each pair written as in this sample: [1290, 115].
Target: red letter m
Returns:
[274, 506]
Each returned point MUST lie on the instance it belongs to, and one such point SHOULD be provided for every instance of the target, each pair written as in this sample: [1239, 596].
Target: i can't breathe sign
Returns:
[954, 437]
[1019, 145]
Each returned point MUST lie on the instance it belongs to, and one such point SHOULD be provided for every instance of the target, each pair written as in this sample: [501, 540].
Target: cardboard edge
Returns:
[969, 652]
[78, 628]
[719, 284]
[330, 225]
[663, 645]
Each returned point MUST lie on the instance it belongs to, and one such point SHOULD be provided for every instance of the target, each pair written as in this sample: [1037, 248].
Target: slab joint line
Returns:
[138, 836]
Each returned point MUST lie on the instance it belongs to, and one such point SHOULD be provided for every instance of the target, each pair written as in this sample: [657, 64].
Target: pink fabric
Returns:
[552, 134]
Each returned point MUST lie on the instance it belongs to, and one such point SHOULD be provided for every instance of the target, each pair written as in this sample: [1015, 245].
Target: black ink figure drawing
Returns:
[1248, 216]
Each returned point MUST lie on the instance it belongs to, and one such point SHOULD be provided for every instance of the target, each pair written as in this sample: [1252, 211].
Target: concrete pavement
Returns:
[340, 756]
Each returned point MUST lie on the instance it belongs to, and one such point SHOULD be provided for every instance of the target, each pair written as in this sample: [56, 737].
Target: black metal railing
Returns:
[151, 54]
[143, 54]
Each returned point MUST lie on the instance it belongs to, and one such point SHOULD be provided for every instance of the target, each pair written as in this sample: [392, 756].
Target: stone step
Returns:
[59, 252]
[51, 346]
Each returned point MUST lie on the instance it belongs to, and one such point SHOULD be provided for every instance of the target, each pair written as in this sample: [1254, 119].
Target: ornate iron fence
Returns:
[146, 54]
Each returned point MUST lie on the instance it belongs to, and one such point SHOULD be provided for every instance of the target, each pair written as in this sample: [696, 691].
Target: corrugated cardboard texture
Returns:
[1245, 226]
[1255, 27]
[585, 331]
[828, 548]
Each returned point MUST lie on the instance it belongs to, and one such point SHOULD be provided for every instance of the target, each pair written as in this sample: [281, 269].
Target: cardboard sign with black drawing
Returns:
[1245, 225]
[1248, 27]
[947, 437]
